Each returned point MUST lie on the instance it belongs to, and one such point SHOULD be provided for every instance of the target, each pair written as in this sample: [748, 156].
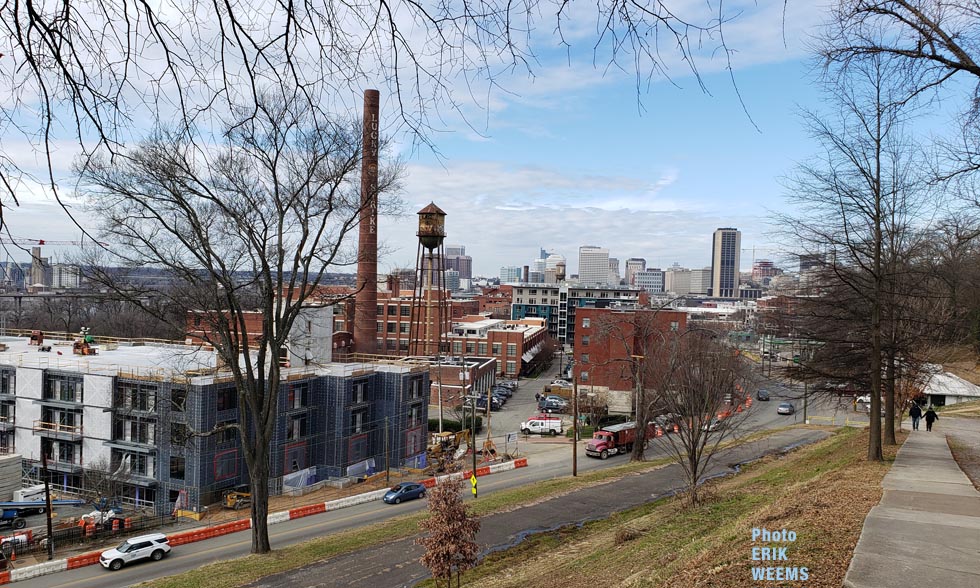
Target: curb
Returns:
[182, 538]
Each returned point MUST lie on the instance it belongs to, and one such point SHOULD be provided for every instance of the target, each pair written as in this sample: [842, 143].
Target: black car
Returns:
[502, 391]
[551, 406]
[762, 395]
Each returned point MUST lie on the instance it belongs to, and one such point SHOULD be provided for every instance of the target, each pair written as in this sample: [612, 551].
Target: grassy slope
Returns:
[823, 493]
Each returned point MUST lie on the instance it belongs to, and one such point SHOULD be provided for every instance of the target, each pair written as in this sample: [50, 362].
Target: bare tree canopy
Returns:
[89, 76]
[248, 222]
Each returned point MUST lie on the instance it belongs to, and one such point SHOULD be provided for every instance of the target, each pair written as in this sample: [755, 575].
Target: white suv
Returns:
[153, 546]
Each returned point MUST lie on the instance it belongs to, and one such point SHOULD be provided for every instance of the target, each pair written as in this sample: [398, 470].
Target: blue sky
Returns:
[577, 155]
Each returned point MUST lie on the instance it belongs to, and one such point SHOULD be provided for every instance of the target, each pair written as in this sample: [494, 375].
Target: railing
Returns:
[45, 427]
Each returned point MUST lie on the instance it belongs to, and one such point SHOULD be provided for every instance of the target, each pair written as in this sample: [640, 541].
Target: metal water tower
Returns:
[430, 321]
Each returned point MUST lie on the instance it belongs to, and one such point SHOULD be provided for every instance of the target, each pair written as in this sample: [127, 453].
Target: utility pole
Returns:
[387, 459]
[473, 443]
[575, 427]
[47, 500]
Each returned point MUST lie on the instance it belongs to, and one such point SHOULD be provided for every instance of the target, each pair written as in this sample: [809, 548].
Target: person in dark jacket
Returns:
[931, 417]
[915, 413]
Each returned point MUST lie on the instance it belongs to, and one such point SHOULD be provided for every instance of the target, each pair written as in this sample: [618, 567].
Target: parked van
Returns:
[542, 425]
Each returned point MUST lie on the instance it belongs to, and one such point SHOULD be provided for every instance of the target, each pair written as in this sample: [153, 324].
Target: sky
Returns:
[577, 154]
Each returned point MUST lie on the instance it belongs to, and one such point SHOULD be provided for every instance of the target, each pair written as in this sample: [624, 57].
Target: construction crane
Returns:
[38, 242]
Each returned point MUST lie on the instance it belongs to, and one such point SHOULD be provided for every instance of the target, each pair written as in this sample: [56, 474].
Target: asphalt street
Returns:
[396, 564]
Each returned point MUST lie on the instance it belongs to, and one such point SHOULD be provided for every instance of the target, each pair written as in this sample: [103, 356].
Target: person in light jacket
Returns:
[915, 413]
[931, 417]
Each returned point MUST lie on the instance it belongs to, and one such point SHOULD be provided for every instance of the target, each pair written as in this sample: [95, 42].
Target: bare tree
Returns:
[249, 224]
[861, 196]
[103, 481]
[937, 39]
[450, 545]
[697, 379]
[90, 73]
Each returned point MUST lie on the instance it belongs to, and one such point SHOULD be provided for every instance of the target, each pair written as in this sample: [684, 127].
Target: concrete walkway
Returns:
[926, 530]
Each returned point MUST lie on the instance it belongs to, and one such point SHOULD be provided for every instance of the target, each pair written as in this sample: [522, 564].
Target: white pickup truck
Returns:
[543, 425]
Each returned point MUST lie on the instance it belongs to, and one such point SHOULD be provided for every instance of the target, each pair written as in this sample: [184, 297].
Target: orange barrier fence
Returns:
[305, 511]
[86, 559]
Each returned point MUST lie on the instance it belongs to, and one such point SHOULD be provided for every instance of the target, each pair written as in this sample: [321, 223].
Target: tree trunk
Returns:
[890, 397]
[260, 500]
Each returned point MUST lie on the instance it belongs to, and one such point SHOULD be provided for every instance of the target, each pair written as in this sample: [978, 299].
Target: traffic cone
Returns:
[13, 555]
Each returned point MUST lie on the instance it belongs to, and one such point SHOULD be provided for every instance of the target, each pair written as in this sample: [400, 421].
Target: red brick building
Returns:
[495, 301]
[605, 338]
[512, 343]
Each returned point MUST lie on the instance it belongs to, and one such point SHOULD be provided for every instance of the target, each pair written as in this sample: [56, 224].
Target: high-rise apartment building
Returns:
[593, 265]
[510, 274]
[725, 253]
[633, 265]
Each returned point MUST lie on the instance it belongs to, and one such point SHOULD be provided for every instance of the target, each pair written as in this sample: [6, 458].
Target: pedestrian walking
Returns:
[915, 413]
[931, 417]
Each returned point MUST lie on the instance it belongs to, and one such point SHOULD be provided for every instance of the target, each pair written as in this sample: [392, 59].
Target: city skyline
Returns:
[576, 155]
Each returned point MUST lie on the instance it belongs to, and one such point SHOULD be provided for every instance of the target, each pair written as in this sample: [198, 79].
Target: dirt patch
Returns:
[966, 452]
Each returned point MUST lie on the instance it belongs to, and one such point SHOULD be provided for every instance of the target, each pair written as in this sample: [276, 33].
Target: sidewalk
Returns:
[926, 530]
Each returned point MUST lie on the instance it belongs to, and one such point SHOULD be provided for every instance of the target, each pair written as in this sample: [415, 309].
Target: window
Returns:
[414, 416]
[584, 377]
[512, 349]
[404, 327]
[381, 327]
[177, 465]
[390, 344]
[178, 400]
[381, 310]
[470, 348]
[297, 396]
[359, 393]
[457, 347]
[585, 340]
[225, 465]
[511, 368]
[358, 421]
[178, 433]
[586, 323]
[297, 428]
[406, 310]
[392, 327]
[415, 388]
[8, 383]
[482, 349]
[226, 433]
[392, 310]
[63, 388]
[66, 452]
[496, 349]
[585, 358]
[227, 399]
[673, 325]
[140, 432]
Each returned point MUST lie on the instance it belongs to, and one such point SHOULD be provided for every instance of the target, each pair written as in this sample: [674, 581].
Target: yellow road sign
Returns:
[473, 481]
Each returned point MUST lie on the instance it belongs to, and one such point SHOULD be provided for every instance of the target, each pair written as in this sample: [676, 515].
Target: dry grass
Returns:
[963, 409]
[822, 492]
[959, 360]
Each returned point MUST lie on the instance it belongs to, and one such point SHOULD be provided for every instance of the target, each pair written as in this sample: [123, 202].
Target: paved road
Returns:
[396, 563]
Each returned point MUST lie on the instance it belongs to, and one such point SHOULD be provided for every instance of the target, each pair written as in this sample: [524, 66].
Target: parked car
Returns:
[404, 491]
[785, 408]
[562, 383]
[550, 406]
[556, 398]
[496, 394]
[503, 391]
[153, 546]
[481, 402]
[762, 395]
[509, 384]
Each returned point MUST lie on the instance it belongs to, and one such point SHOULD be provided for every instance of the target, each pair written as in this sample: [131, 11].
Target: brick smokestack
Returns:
[366, 301]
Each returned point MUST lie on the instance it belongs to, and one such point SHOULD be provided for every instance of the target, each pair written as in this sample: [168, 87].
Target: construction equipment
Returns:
[83, 345]
[238, 497]
[11, 517]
